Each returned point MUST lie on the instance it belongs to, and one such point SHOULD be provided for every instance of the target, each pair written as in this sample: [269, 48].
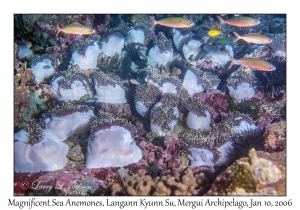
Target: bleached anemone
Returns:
[164, 115]
[209, 147]
[107, 88]
[113, 44]
[36, 149]
[72, 86]
[179, 35]
[135, 36]
[196, 80]
[111, 144]
[42, 66]
[198, 116]
[219, 53]
[242, 91]
[157, 57]
[69, 119]
[24, 51]
[89, 59]
[201, 157]
[145, 97]
[170, 85]
[191, 48]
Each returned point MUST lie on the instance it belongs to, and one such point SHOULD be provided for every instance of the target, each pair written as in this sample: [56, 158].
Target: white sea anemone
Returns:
[191, 49]
[157, 58]
[135, 36]
[243, 91]
[115, 43]
[49, 154]
[89, 59]
[42, 70]
[190, 83]
[112, 147]
[195, 122]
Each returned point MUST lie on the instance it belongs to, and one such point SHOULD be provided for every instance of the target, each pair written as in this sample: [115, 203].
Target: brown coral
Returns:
[21, 90]
[188, 184]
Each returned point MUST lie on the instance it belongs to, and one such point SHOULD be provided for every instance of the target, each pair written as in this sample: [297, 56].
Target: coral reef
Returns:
[217, 102]
[188, 184]
[276, 136]
[21, 91]
[257, 176]
[133, 111]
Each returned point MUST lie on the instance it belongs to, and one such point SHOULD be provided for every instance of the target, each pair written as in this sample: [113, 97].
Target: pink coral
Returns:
[217, 101]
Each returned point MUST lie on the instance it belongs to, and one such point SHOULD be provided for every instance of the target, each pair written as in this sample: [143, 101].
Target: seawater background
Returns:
[150, 7]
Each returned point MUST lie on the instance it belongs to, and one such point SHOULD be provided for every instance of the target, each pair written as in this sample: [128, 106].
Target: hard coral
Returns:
[21, 91]
[187, 184]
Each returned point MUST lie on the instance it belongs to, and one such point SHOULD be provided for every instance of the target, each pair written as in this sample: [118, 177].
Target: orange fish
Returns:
[253, 63]
[175, 22]
[253, 38]
[75, 28]
[239, 21]
[133, 81]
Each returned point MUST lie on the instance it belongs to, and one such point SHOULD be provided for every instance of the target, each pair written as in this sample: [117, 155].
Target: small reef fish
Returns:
[176, 71]
[224, 41]
[252, 107]
[90, 100]
[238, 118]
[193, 63]
[239, 21]
[246, 69]
[253, 63]
[75, 28]
[214, 32]
[175, 22]
[253, 38]
[146, 80]
[133, 81]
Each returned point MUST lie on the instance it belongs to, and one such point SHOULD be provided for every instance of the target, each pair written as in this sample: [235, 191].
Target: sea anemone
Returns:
[170, 85]
[157, 58]
[113, 44]
[164, 114]
[198, 116]
[69, 119]
[179, 35]
[209, 147]
[72, 85]
[196, 80]
[135, 36]
[42, 66]
[108, 88]
[219, 53]
[145, 97]
[36, 149]
[111, 143]
[241, 92]
[272, 83]
[191, 48]
[87, 59]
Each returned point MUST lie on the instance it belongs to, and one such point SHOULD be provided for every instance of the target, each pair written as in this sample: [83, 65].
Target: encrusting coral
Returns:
[188, 184]
[21, 91]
